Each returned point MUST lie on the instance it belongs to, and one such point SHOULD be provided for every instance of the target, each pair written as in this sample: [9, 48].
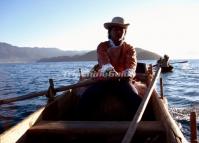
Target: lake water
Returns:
[181, 87]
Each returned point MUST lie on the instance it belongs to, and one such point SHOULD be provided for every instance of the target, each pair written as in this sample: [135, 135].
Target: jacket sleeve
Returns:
[130, 62]
[102, 55]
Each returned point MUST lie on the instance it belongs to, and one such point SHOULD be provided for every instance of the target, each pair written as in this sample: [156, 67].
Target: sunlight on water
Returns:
[182, 116]
[184, 113]
[185, 66]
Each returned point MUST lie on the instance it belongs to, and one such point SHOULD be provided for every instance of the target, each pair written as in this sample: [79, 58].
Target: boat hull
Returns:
[55, 124]
[167, 69]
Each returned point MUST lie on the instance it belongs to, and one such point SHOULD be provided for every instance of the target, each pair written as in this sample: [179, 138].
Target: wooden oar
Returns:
[133, 125]
[179, 62]
[174, 63]
[41, 93]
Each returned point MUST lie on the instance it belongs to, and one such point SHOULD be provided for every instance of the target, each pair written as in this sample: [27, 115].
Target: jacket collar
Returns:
[112, 45]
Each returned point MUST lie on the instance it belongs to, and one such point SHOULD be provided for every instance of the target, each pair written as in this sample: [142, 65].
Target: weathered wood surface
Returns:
[193, 127]
[94, 127]
[13, 134]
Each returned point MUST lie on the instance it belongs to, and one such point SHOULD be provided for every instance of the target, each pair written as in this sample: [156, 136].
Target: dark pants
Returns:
[94, 95]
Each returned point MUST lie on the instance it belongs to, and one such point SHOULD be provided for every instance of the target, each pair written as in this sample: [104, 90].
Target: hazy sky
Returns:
[162, 26]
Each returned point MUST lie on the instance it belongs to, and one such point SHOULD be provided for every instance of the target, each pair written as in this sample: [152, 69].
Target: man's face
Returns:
[117, 33]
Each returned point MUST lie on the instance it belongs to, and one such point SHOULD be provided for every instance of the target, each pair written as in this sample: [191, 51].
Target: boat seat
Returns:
[141, 71]
[105, 128]
[141, 68]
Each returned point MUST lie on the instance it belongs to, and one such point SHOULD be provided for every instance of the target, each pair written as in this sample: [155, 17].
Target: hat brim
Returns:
[109, 25]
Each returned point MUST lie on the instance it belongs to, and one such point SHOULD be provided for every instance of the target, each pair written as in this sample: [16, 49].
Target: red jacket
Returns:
[121, 58]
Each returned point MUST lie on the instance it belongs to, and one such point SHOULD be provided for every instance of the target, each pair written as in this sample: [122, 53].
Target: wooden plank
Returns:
[193, 127]
[93, 127]
[23, 97]
[13, 134]
[161, 88]
[137, 118]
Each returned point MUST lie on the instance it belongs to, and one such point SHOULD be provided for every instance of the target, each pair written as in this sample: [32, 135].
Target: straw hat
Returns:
[116, 21]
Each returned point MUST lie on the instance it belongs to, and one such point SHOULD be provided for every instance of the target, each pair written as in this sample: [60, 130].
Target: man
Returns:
[115, 54]
[165, 61]
[118, 57]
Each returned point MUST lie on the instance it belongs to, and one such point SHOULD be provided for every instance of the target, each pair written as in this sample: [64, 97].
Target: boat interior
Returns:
[109, 123]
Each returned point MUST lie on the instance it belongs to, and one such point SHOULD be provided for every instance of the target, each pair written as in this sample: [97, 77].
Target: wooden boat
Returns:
[55, 123]
[167, 69]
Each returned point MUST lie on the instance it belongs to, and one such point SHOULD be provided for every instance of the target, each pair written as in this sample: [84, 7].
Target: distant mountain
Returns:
[10, 53]
[15, 54]
[92, 56]
[146, 55]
